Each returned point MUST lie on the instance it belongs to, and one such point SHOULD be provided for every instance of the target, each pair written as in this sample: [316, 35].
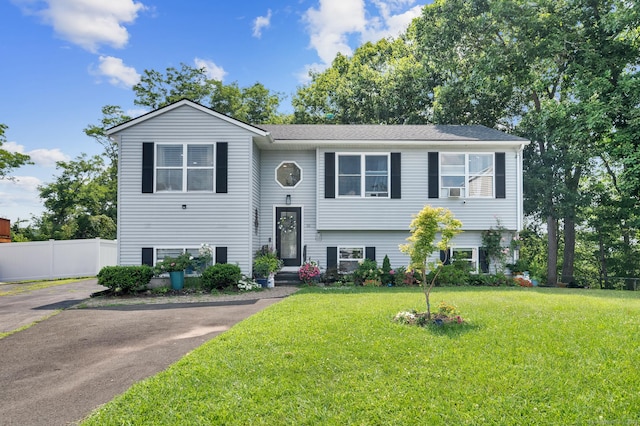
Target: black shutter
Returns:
[483, 260]
[500, 175]
[147, 167]
[329, 175]
[396, 188]
[222, 161]
[332, 257]
[147, 256]
[221, 255]
[445, 256]
[370, 253]
[434, 178]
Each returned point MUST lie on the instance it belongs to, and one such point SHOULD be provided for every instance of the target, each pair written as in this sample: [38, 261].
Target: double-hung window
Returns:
[469, 255]
[363, 175]
[349, 258]
[184, 167]
[161, 253]
[467, 175]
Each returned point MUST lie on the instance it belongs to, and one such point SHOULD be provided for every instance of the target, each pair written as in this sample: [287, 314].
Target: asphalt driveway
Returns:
[59, 370]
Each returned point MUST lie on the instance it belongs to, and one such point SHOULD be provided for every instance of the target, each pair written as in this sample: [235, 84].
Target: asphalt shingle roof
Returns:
[385, 132]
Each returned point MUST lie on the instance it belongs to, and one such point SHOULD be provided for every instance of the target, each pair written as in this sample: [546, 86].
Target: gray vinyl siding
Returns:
[273, 195]
[158, 219]
[256, 198]
[385, 243]
[396, 214]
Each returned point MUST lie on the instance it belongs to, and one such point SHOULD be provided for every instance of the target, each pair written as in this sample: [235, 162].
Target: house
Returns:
[331, 193]
[5, 230]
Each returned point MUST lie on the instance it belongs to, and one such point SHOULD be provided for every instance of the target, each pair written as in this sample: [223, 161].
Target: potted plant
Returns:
[265, 265]
[175, 267]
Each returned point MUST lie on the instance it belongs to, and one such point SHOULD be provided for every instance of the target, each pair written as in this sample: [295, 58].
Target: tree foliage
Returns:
[81, 202]
[10, 160]
[382, 83]
[425, 227]
[254, 104]
[563, 74]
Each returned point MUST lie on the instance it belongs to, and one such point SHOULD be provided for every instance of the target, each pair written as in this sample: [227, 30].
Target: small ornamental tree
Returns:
[424, 227]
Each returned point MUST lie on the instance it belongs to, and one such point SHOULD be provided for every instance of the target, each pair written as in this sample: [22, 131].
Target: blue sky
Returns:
[65, 59]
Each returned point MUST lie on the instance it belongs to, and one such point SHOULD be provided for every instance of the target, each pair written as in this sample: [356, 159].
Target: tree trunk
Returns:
[569, 250]
[603, 261]
[552, 251]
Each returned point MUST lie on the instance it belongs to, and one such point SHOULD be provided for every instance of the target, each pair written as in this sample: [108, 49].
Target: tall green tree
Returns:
[112, 115]
[254, 104]
[80, 203]
[382, 83]
[10, 160]
[547, 70]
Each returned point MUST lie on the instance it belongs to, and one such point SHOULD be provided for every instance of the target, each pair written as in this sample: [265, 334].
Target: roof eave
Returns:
[183, 102]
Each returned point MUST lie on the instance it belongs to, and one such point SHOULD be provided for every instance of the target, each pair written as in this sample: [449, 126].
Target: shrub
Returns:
[247, 284]
[220, 276]
[386, 276]
[454, 274]
[367, 270]
[309, 272]
[125, 279]
[500, 279]
[481, 280]
[330, 276]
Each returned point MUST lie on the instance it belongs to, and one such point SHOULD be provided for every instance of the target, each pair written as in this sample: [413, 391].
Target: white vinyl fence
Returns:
[55, 259]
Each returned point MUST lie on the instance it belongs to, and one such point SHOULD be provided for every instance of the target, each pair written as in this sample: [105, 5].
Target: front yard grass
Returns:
[334, 357]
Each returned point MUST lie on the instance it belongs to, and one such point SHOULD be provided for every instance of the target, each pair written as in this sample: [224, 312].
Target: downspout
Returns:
[519, 189]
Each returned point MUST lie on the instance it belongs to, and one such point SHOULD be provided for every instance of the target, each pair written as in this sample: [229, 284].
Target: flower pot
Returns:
[271, 281]
[177, 280]
[262, 282]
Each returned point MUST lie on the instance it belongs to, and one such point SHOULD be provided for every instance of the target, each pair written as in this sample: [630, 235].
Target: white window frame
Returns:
[357, 260]
[474, 256]
[363, 174]
[194, 251]
[297, 183]
[185, 167]
[468, 176]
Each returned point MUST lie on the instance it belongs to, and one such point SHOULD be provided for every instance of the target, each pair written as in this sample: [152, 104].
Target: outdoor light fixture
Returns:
[287, 200]
[184, 207]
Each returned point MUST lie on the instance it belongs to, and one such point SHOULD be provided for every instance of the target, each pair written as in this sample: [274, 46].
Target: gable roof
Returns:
[372, 132]
[178, 104]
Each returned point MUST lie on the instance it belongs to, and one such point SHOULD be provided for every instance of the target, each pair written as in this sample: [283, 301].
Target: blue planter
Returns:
[262, 282]
[177, 280]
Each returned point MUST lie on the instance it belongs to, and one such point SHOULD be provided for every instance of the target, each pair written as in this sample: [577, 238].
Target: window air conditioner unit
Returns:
[455, 192]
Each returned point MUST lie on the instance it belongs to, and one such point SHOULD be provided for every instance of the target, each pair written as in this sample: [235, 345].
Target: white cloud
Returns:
[136, 112]
[213, 71]
[117, 72]
[13, 147]
[91, 23]
[331, 25]
[41, 157]
[260, 23]
[47, 157]
[389, 24]
[303, 76]
[22, 183]
[20, 198]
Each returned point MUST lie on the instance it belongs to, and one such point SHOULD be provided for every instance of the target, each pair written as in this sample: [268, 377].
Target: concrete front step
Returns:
[287, 278]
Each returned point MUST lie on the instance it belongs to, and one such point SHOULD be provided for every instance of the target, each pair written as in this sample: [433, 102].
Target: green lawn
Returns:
[334, 357]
